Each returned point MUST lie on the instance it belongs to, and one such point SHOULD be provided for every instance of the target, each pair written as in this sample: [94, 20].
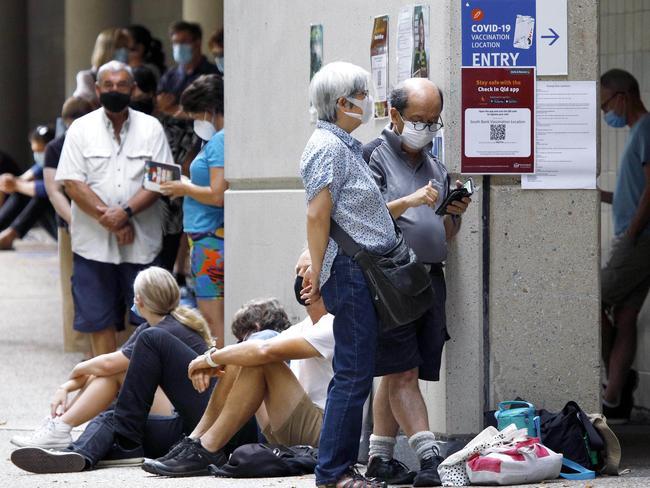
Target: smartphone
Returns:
[465, 191]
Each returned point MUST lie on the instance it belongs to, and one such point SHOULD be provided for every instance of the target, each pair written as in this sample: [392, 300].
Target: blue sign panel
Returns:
[498, 33]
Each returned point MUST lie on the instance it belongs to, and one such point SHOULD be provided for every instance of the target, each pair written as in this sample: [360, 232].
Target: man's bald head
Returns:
[416, 91]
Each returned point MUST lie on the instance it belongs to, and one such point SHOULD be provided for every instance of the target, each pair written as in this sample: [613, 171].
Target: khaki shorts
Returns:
[301, 428]
[626, 277]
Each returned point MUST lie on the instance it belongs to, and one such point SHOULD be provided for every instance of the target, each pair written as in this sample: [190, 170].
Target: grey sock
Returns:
[381, 446]
[424, 444]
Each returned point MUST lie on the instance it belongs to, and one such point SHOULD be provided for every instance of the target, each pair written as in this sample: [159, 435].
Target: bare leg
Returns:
[103, 341]
[95, 397]
[274, 384]
[161, 404]
[384, 423]
[407, 403]
[218, 399]
[622, 353]
[212, 310]
[180, 266]
[608, 334]
[7, 238]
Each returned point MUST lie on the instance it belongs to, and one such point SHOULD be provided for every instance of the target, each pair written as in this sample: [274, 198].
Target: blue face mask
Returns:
[121, 54]
[182, 53]
[136, 310]
[614, 120]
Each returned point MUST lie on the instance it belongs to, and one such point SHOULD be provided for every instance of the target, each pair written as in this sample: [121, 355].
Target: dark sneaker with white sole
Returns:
[120, 457]
[392, 472]
[192, 460]
[147, 465]
[42, 461]
[428, 474]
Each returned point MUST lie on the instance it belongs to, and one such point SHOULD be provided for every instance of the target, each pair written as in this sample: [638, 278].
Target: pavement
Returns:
[32, 364]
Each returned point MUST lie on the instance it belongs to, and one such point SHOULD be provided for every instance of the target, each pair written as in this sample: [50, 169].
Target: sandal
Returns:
[353, 479]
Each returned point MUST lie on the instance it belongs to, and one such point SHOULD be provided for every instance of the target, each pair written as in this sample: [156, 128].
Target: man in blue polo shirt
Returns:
[414, 184]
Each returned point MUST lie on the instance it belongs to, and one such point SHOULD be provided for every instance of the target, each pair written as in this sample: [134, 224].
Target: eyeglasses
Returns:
[432, 126]
[606, 102]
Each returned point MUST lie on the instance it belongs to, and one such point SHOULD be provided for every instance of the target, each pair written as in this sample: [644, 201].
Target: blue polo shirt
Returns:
[630, 182]
[197, 216]
[176, 79]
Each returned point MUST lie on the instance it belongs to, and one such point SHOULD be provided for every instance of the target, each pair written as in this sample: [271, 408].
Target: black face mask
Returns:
[114, 101]
[297, 287]
[144, 105]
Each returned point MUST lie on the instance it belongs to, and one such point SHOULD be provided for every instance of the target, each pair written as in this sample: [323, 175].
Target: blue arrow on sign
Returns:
[555, 37]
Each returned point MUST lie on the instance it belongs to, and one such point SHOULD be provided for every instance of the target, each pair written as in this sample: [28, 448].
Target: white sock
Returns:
[61, 426]
[424, 444]
[382, 446]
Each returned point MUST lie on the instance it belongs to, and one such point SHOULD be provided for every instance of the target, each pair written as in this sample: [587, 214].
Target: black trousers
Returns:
[21, 213]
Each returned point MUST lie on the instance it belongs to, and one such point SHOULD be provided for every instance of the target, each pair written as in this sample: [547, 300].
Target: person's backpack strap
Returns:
[343, 239]
[581, 473]
[369, 148]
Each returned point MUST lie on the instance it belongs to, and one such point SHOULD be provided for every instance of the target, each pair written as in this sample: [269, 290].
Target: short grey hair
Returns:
[333, 81]
[114, 67]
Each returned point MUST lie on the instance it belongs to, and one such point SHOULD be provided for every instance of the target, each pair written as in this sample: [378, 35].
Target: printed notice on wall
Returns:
[566, 120]
[413, 42]
[315, 59]
[379, 64]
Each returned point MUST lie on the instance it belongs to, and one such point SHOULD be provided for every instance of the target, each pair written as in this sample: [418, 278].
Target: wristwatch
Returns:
[208, 357]
[128, 211]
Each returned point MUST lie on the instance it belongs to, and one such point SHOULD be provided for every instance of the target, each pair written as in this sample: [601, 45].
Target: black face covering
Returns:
[114, 101]
[297, 287]
[144, 105]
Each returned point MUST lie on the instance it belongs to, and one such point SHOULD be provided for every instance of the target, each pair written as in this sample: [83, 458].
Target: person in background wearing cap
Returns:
[27, 203]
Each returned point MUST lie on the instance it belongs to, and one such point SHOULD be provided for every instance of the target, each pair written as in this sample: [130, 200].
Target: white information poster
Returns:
[413, 42]
[497, 133]
[379, 64]
[565, 123]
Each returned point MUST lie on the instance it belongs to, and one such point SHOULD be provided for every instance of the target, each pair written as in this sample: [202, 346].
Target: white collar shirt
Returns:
[114, 171]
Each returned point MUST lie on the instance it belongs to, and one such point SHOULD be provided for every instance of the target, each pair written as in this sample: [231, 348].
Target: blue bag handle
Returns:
[582, 473]
[514, 402]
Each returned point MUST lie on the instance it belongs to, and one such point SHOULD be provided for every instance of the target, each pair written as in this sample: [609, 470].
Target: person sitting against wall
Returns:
[125, 433]
[288, 401]
[27, 203]
[111, 44]
[203, 197]
[98, 380]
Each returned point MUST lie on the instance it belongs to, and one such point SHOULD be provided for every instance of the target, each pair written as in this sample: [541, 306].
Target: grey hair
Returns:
[333, 81]
[114, 67]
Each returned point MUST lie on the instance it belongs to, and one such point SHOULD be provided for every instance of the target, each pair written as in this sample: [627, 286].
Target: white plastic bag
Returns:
[517, 463]
[452, 470]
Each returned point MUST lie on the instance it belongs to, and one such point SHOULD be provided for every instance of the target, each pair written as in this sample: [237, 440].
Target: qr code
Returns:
[497, 132]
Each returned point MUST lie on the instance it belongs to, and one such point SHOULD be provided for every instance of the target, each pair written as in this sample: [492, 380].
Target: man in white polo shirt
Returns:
[116, 224]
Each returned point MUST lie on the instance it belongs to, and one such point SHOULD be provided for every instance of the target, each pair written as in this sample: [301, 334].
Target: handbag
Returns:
[399, 285]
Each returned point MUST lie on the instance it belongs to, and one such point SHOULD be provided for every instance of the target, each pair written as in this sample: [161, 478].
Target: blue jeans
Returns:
[347, 297]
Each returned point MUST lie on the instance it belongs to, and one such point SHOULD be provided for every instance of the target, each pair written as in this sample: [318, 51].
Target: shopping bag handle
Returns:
[581, 473]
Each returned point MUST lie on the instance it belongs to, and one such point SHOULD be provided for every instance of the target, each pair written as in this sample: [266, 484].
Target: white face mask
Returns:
[366, 105]
[415, 139]
[204, 129]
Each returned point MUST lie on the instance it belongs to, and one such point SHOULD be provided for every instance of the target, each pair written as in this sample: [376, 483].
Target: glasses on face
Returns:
[431, 126]
[119, 86]
[606, 102]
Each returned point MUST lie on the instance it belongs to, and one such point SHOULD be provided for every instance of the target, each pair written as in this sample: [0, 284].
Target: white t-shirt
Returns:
[314, 374]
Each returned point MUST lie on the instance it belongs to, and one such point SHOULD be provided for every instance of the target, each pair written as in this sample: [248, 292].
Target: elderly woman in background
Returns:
[340, 186]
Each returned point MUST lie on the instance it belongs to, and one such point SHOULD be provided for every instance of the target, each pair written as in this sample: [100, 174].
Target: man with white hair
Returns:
[116, 228]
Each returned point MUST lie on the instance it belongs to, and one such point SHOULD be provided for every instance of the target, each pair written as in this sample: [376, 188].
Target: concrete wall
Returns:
[625, 43]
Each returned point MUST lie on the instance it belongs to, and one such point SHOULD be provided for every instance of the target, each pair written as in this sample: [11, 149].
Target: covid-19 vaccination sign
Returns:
[498, 86]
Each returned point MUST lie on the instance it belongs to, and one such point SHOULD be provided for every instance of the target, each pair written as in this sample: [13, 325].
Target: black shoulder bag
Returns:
[400, 286]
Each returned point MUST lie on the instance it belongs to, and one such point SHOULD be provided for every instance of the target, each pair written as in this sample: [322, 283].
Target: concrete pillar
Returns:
[13, 82]
[208, 13]
[84, 20]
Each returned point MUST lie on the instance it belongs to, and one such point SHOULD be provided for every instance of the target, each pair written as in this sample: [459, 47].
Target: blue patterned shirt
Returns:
[333, 159]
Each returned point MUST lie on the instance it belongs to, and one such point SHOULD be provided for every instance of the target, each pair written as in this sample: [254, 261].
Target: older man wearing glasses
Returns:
[413, 183]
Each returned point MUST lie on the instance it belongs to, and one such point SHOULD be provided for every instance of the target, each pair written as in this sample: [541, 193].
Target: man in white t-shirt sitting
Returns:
[288, 401]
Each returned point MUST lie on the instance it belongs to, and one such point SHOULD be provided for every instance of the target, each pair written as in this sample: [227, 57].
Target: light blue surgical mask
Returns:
[136, 310]
[218, 60]
[121, 54]
[615, 120]
[39, 158]
[182, 53]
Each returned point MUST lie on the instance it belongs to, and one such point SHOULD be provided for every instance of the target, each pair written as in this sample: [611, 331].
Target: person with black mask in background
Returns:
[117, 230]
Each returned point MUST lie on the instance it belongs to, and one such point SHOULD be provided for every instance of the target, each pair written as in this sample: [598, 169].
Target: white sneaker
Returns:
[50, 435]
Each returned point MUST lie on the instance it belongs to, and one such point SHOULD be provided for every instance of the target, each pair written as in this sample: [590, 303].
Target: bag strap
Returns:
[343, 239]
[581, 473]
[595, 439]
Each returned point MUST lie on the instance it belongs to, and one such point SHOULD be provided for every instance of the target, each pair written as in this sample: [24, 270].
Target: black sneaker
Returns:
[120, 457]
[192, 460]
[147, 465]
[42, 461]
[392, 472]
[620, 414]
[428, 474]
[352, 477]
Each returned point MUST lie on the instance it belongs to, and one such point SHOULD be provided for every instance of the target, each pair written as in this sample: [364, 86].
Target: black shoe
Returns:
[147, 465]
[192, 460]
[392, 472]
[621, 413]
[118, 456]
[42, 461]
[428, 474]
[352, 477]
